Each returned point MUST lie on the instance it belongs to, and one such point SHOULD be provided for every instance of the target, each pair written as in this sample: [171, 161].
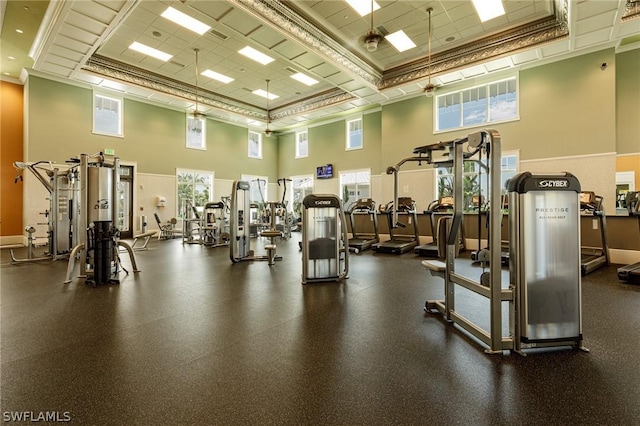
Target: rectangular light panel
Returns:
[488, 9]
[257, 56]
[304, 79]
[185, 20]
[217, 76]
[263, 93]
[400, 41]
[143, 48]
[363, 7]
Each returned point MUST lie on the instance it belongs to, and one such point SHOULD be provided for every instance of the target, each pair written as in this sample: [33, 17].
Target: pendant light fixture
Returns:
[267, 131]
[430, 88]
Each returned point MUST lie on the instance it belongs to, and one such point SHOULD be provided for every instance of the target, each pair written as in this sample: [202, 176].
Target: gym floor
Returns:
[195, 339]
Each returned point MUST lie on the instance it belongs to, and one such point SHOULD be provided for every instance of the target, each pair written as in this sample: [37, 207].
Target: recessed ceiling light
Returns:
[6, 73]
[142, 48]
[11, 58]
[257, 56]
[363, 7]
[400, 41]
[217, 76]
[305, 79]
[263, 93]
[19, 31]
[488, 9]
[185, 20]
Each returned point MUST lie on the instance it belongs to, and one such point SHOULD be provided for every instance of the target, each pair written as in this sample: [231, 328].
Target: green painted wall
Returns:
[628, 102]
[327, 145]
[60, 124]
[406, 125]
[566, 108]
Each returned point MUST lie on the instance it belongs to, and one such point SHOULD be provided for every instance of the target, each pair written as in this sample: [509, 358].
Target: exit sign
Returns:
[109, 151]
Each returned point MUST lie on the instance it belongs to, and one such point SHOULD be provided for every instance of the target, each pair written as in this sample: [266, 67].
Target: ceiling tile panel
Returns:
[240, 23]
[86, 23]
[56, 69]
[66, 53]
[63, 62]
[308, 61]
[593, 38]
[96, 10]
[597, 22]
[213, 9]
[524, 57]
[267, 37]
[591, 8]
[289, 50]
[72, 44]
[78, 34]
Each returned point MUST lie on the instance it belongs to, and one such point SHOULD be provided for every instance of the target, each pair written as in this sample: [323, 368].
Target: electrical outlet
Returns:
[595, 223]
[406, 189]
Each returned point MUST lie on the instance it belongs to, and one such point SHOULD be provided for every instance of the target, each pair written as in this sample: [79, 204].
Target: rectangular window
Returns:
[301, 187]
[302, 144]
[255, 144]
[354, 134]
[257, 198]
[473, 184]
[258, 191]
[107, 115]
[195, 189]
[355, 184]
[196, 133]
[477, 106]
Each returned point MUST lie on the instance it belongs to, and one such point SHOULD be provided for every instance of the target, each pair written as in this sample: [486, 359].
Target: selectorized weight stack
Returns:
[239, 227]
[544, 234]
[98, 244]
[325, 241]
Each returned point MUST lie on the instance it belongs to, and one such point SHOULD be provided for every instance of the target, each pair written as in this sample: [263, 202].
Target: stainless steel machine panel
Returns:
[550, 244]
[100, 194]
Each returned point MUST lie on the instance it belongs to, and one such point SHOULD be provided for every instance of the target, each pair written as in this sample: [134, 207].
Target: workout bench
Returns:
[147, 236]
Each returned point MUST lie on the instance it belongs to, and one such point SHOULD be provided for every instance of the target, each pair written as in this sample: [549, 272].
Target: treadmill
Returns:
[592, 258]
[363, 241]
[441, 206]
[397, 243]
[631, 273]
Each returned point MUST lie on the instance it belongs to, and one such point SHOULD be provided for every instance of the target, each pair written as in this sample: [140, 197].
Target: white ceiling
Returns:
[88, 40]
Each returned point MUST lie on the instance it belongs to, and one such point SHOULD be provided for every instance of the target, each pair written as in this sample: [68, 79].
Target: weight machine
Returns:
[544, 296]
[63, 220]
[97, 246]
[240, 238]
[325, 241]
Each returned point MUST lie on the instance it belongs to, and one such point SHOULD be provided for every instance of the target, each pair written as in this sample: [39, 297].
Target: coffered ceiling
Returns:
[88, 41]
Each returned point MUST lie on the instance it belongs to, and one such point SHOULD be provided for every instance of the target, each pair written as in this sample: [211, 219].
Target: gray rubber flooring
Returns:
[195, 339]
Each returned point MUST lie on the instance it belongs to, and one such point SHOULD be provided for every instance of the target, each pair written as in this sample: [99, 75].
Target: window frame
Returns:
[298, 143]
[203, 133]
[503, 191]
[249, 141]
[348, 140]
[120, 101]
[296, 204]
[179, 207]
[342, 184]
[460, 93]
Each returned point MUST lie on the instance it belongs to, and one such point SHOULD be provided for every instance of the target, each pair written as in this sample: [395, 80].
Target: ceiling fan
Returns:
[430, 88]
[372, 38]
[268, 132]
